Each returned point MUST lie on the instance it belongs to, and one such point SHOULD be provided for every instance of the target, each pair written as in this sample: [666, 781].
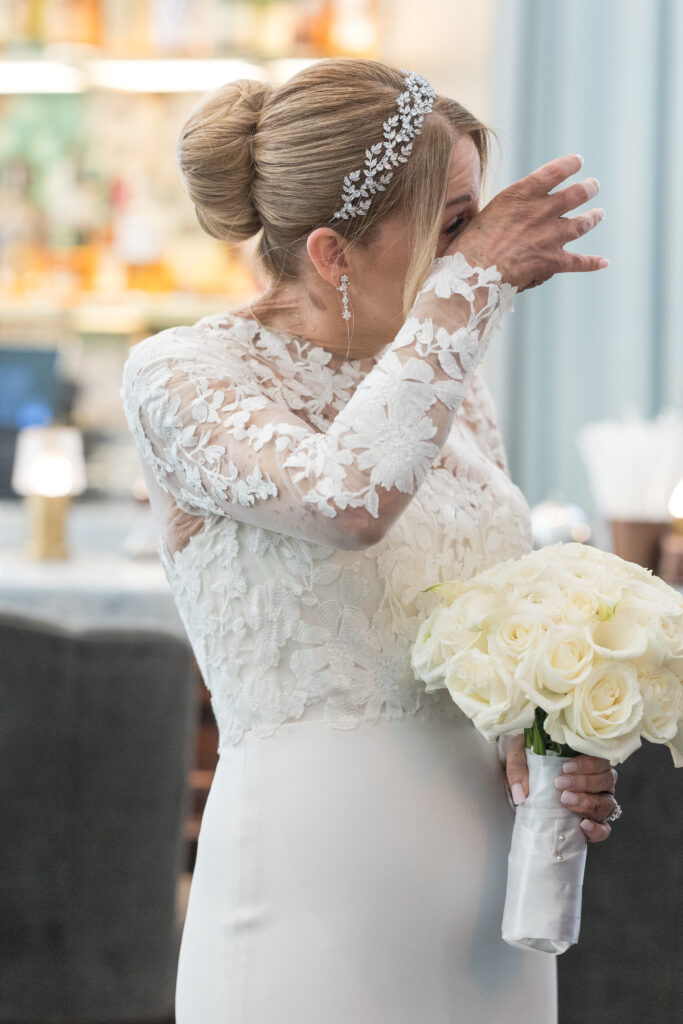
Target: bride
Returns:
[315, 461]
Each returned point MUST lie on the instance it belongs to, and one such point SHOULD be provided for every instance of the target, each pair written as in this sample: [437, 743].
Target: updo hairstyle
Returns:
[258, 158]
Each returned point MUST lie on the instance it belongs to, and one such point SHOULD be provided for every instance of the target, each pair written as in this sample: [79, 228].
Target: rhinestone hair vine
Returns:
[413, 103]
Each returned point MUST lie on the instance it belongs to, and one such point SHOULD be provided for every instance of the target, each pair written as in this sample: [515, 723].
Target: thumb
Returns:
[516, 769]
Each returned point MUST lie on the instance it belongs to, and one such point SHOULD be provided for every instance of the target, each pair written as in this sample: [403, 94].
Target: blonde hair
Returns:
[258, 158]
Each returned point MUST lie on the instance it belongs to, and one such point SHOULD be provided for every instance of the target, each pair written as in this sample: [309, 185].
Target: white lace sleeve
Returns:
[220, 446]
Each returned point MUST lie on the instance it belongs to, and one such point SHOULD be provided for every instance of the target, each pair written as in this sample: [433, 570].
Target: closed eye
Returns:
[453, 228]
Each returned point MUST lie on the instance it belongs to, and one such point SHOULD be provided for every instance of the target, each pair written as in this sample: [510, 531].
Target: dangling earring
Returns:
[344, 289]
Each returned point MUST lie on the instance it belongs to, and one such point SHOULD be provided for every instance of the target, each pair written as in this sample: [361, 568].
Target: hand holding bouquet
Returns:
[584, 652]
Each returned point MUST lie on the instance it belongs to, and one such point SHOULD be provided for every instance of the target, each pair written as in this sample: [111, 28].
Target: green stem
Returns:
[537, 739]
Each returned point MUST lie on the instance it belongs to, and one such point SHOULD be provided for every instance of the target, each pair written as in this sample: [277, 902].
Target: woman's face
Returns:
[383, 265]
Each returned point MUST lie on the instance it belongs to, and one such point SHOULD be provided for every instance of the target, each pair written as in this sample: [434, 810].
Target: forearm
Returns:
[392, 429]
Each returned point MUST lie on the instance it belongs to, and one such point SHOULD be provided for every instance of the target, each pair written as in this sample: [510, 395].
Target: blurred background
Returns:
[99, 248]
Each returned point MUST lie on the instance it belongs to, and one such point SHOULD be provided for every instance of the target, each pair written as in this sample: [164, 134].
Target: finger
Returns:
[575, 195]
[586, 764]
[595, 831]
[552, 174]
[576, 263]
[575, 227]
[596, 806]
[600, 782]
[516, 769]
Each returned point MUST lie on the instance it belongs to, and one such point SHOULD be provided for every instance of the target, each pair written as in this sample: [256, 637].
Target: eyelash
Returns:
[455, 226]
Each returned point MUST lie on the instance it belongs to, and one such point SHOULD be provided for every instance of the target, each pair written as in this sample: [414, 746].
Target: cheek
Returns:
[389, 276]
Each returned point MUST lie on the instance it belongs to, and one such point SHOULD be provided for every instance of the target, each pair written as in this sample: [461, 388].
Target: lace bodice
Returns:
[305, 500]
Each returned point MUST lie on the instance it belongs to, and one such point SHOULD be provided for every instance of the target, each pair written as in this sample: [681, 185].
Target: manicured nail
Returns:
[603, 263]
[579, 157]
[562, 782]
[518, 793]
[601, 213]
[597, 184]
[587, 824]
[569, 798]
[570, 766]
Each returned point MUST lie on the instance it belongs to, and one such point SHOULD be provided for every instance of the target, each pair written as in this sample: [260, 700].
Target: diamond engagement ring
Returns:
[616, 813]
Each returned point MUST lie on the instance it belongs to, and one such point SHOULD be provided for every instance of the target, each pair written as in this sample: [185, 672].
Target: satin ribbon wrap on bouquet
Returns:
[545, 866]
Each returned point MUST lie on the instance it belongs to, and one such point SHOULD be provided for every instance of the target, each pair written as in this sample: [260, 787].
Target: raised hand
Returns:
[524, 228]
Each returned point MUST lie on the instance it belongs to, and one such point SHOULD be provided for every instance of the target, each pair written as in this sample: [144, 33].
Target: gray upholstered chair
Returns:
[97, 733]
[627, 967]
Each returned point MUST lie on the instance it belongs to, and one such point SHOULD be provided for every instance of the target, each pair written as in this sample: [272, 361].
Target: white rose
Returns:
[662, 704]
[622, 641]
[483, 688]
[670, 633]
[605, 713]
[441, 635]
[676, 746]
[550, 672]
[581, 606]
[477, 608]
[515, 635]
[520, 570]
[497, 575]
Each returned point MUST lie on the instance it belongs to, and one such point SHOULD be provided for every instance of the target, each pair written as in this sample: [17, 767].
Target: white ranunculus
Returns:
[622, 641]
[662, 704]
[482, 687]
[605, 714]
[577, 572]
[541, 598]
[549, 673]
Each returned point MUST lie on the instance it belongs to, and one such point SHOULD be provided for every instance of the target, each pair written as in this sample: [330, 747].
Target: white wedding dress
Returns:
[352, 860]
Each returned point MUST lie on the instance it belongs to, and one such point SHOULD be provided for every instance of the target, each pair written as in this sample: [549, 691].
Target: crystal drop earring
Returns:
[344, 289]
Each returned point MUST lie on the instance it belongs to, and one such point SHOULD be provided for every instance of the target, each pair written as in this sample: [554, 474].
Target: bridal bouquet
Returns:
[584, 652]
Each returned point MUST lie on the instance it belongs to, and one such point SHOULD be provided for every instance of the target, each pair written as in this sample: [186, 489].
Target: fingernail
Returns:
[597, 184]
[517, 791]
[579, 157]
[587, 824]
[570, 766]
[603, 263]
[601, 213]
[563, 783]
[569, 798]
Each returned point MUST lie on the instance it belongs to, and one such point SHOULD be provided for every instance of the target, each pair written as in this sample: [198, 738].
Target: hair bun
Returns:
[216, 158]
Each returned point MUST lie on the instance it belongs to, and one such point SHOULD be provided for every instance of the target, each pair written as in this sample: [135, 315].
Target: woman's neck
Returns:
[305, 312]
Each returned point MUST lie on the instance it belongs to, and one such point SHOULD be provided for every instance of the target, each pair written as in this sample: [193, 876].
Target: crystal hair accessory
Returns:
[413, 103]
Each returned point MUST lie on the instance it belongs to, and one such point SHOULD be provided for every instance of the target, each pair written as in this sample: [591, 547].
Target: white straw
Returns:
[633, 464]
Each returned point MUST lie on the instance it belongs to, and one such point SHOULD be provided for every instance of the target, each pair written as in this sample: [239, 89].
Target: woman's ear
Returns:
[326, 250]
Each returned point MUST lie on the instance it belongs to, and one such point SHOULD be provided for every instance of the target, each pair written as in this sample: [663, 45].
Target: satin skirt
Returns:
[357, 877]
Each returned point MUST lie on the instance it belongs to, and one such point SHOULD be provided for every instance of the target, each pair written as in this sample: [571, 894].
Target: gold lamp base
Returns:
[47, 526]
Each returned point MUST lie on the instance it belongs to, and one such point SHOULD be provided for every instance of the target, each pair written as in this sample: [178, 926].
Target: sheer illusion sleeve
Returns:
[220, 446]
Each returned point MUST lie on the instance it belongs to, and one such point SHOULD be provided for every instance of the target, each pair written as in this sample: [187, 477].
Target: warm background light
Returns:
[49, 461]
[676, 501]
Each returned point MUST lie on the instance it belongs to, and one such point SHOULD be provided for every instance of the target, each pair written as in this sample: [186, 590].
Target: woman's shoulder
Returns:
[215, 345]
